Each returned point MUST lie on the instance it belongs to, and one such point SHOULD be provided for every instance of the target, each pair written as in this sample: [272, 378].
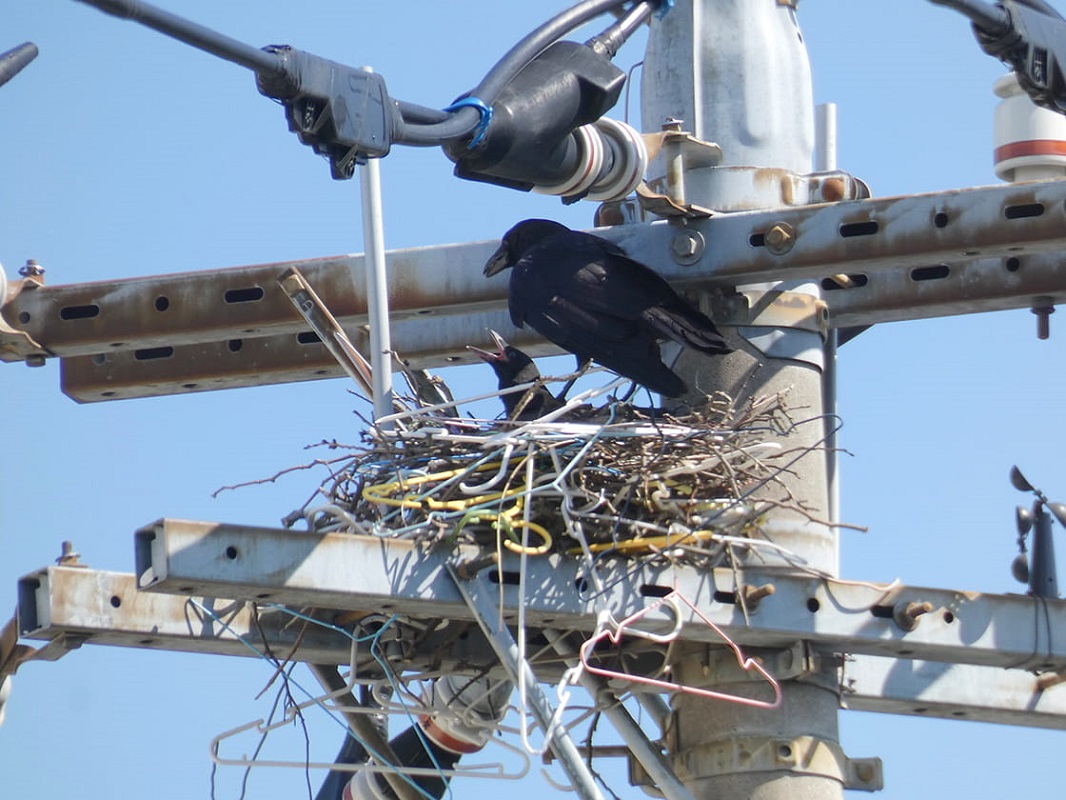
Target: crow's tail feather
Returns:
[688, 327]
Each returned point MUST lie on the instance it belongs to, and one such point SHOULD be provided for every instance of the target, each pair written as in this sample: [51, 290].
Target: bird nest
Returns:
[603, 480]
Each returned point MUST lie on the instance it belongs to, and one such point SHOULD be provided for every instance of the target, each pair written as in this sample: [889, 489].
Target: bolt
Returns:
[68, 557]
[35, 361]
[469, 568]
[906, 615]
[673, 124]
[865, 771]
[1043, 307]
[780, 238]
[753, 595]
[687, 247]
[31, 269]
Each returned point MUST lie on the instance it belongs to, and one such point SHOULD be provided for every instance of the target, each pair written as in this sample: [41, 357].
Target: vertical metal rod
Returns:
[507, 650]
[653, 761]
[825, 137]
[825, 159]
[377, 291]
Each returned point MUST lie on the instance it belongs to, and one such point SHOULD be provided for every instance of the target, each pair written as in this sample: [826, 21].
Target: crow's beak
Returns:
[498, 262]
[488, 355]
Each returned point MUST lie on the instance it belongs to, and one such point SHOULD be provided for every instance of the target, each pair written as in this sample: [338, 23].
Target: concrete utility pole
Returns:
[736, 73]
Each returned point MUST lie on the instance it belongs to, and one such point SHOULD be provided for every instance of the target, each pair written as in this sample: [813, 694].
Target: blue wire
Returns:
[486, 117]
[375, 651]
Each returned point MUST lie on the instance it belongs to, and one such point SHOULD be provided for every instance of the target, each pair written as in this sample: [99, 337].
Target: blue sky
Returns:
[126, 154]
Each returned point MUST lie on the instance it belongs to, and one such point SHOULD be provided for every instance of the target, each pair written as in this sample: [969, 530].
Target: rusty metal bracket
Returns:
[16, 344]
[12, 654]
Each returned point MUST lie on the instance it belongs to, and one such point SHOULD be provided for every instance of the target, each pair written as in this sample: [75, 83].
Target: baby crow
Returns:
[513, 368]
[586, 295]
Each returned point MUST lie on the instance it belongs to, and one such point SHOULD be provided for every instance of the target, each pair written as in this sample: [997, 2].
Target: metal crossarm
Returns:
[365, 573]
[962, 251]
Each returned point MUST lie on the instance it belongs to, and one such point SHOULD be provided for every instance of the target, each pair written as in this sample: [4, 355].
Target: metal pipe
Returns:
[657, 767]
[825, 159]
[12, 63]
[825, 137]
[377, 291]
[507, 650]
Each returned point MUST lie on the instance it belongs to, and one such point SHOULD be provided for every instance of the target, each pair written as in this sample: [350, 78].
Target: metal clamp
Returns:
[805, 755]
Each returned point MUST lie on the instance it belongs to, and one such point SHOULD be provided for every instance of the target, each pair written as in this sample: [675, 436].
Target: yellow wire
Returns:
[379, 493]
[504, 524]
[648, 542]
[539, 550]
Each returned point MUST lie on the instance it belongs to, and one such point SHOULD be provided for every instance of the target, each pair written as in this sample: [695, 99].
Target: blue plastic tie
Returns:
[664, 8]
[486, 117]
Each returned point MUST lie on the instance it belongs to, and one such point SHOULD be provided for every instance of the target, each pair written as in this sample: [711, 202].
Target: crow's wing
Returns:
[618, 344]
[597, 275]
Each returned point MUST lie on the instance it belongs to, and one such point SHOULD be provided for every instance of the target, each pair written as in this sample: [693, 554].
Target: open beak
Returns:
[499, 261]
[488, 355]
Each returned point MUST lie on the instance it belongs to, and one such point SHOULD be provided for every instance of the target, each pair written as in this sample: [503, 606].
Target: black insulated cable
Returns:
[988, 17]
[463, 121]
[611, 40]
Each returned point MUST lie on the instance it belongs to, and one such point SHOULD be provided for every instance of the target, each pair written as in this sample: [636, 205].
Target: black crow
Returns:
[513, 368]
[586, 295]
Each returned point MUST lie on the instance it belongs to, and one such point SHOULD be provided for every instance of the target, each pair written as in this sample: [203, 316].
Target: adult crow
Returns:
[586, 295]
[513, 368]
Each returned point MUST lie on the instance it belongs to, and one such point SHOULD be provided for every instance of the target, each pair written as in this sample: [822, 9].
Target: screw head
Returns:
[780, 238]
[687, 247]
[31, 269]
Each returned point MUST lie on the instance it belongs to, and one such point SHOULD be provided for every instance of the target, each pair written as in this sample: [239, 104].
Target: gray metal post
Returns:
[377, 291]
[736, 73]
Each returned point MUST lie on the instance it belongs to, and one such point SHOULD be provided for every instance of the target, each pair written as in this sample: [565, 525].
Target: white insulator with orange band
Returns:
[1030, 141]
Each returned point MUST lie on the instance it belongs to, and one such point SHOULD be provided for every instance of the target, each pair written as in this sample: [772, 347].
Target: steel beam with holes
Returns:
[953, 691]
[66, 607]
[69, 606]
[954, 252]
[367, 573]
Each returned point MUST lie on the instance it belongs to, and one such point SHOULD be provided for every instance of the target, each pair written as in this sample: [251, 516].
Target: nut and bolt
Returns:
[68, 556]
[753, 595]
[687, 247]
[780, 238]
[1043, 307]
[907, 615]
[31, 269]
[469, 568]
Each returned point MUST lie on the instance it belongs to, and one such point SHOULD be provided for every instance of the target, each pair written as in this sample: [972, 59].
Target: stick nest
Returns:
[607, 480]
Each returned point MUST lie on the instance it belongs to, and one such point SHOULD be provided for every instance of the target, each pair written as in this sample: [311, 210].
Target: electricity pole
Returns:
[736, 73]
